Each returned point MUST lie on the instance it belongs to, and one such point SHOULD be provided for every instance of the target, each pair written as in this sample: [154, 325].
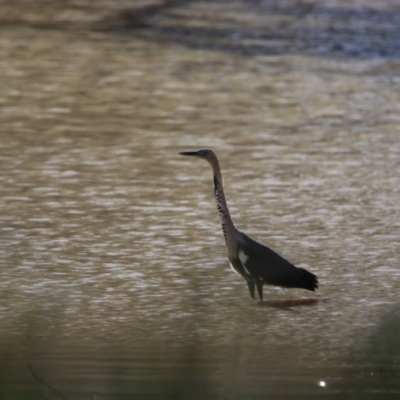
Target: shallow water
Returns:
[115, 282]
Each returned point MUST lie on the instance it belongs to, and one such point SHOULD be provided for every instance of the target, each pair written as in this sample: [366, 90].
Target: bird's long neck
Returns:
[228, 228]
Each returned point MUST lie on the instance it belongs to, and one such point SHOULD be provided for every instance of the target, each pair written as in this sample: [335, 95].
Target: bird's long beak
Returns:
[189, 153]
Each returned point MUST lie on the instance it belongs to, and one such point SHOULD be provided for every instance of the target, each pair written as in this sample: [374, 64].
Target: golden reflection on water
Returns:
[114, 280]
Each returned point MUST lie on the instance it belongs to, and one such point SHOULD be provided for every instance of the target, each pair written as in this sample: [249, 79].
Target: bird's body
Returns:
[256, 263]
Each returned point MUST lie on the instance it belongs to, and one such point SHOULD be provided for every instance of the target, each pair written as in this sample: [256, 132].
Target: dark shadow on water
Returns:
[241, 27]
[372, 370]
[195, 370]
[296, 27]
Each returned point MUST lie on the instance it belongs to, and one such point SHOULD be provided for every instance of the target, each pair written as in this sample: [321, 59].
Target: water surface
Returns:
[114, 278]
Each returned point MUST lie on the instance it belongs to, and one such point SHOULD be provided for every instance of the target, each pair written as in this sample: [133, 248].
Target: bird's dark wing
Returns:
[266, 265]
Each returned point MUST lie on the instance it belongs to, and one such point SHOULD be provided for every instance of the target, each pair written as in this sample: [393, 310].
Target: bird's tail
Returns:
[309, 280]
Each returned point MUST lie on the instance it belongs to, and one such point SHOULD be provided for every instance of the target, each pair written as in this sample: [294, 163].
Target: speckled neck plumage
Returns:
[228, 228]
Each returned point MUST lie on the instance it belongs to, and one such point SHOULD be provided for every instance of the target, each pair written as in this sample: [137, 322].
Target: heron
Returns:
[257, 264]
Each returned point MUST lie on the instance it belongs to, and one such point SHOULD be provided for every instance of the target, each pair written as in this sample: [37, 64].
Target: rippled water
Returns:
[114, 278]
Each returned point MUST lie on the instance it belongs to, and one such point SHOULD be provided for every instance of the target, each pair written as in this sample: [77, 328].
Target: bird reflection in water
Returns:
[288, 304]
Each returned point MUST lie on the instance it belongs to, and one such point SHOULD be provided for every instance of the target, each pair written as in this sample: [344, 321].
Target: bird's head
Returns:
[205, 154]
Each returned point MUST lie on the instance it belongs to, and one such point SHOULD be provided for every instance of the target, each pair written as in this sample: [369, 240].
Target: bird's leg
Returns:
[259, 289]
[251, 286]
